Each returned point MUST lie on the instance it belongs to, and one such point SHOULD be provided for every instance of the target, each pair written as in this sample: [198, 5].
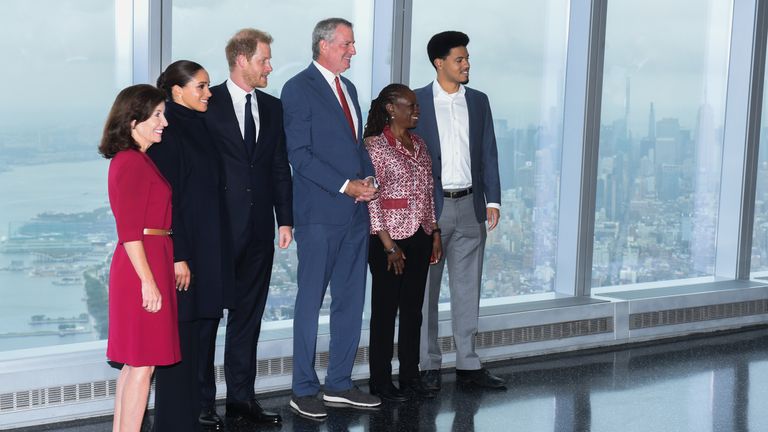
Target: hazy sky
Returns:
[61, 62]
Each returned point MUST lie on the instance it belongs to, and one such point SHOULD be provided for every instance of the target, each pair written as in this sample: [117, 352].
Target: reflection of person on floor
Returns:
[466, 403]
[401, 418]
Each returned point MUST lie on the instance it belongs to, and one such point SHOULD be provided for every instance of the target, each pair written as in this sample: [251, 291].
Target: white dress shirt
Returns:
[238, 102]
[453, 128]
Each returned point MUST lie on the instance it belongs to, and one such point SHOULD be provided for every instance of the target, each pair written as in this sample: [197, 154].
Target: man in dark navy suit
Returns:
[333, 180]
[247, 125]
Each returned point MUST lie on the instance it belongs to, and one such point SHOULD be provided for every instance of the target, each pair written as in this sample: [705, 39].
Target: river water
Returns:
[25, 192]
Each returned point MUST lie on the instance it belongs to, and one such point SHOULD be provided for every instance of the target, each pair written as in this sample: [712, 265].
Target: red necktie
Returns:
[345, 107]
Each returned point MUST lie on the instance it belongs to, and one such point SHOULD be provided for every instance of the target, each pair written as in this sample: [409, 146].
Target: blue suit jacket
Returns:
[484, 162]
[321, 148]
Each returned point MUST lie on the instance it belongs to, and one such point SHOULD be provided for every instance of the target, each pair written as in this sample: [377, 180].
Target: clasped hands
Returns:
[363, 190]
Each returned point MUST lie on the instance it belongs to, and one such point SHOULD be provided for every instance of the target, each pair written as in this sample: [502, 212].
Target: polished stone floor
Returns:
[716, 383]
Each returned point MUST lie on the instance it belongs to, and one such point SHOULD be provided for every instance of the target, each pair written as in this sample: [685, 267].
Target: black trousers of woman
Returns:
[390, 293]
[177, 387]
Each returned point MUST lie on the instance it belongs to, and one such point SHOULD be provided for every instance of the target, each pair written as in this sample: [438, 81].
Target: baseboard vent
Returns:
[58, 395]
[696, 314]
[87, 392]
[538, 333]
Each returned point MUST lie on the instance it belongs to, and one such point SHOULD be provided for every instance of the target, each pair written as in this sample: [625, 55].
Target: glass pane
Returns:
[759, 266]
[658, 183]
[290, 24]
[517, 53]
[56, 229]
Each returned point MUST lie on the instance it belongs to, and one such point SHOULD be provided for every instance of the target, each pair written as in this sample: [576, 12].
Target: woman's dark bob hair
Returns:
[137, 103]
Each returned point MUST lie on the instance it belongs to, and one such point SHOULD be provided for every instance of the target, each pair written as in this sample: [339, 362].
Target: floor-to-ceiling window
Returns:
[759, 261]
[658, 181]
[202, 29]
[63, 64]
[517, 53]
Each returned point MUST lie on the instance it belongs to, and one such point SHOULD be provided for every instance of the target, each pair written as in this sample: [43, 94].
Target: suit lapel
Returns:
[358, 113]
[227, 119]
[331, 100]
[473, 123]
[432, 135]
[264, 121]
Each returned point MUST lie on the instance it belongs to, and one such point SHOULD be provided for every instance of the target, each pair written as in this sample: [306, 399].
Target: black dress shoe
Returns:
[431, 379]
[210, 421]
[388, 392]
[479, 377]
[252, 412]
[414, 387]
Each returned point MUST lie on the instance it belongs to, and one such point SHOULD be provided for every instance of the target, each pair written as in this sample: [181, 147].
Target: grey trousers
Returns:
[463, 246]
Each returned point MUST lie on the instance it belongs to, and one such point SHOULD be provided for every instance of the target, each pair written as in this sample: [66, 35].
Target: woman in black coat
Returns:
[204, 267]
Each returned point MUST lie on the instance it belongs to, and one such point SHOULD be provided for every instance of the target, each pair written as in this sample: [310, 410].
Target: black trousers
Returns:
[206, 372]
[253, 270]
[390, 293]
[177, 387]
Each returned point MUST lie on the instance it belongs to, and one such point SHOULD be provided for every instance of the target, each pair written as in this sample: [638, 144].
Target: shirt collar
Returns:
[438, 91]
[236, 92]
[394, 142]
[328, 75]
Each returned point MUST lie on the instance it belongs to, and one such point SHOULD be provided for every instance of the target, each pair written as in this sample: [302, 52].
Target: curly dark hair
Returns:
[441, 44]
[137, 103]
[378, 117]
[178, 73]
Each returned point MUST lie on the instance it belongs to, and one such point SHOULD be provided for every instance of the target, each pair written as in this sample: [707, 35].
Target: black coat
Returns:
[190, 162]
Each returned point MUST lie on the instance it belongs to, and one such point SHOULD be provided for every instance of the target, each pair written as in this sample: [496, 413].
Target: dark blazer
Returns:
[323, 155]
[486, 186]
[258, 185]
[201, 236]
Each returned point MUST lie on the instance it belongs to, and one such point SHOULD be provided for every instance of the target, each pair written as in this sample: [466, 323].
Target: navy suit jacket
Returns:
[322, 149]
[258, 185]
[484, 162]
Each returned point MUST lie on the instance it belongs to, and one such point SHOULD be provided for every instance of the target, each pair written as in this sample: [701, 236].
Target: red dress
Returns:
[141, 198]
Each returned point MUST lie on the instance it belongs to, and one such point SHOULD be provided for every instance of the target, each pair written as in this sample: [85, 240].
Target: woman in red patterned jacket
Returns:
[405, 240]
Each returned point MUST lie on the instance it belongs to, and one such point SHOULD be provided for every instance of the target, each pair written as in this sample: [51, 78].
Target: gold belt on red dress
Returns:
[155, 231]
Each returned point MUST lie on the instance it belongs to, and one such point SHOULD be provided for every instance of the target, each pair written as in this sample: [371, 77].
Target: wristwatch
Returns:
[391, 250]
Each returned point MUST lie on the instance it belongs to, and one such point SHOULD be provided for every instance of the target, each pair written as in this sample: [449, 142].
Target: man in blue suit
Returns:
[333, 180]
[457, 124]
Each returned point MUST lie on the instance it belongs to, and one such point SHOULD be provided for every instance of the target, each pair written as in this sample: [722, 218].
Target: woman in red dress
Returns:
[143, 329]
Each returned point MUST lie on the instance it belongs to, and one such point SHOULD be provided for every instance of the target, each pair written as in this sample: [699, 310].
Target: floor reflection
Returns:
[703, 384]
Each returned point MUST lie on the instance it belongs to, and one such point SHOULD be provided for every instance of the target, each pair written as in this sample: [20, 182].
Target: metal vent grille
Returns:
[74, 393]
[696, 314]
[58, 395]
[539, 333]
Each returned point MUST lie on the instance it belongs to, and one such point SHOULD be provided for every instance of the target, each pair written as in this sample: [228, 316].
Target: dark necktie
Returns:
[345, 107]
[249, 128]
